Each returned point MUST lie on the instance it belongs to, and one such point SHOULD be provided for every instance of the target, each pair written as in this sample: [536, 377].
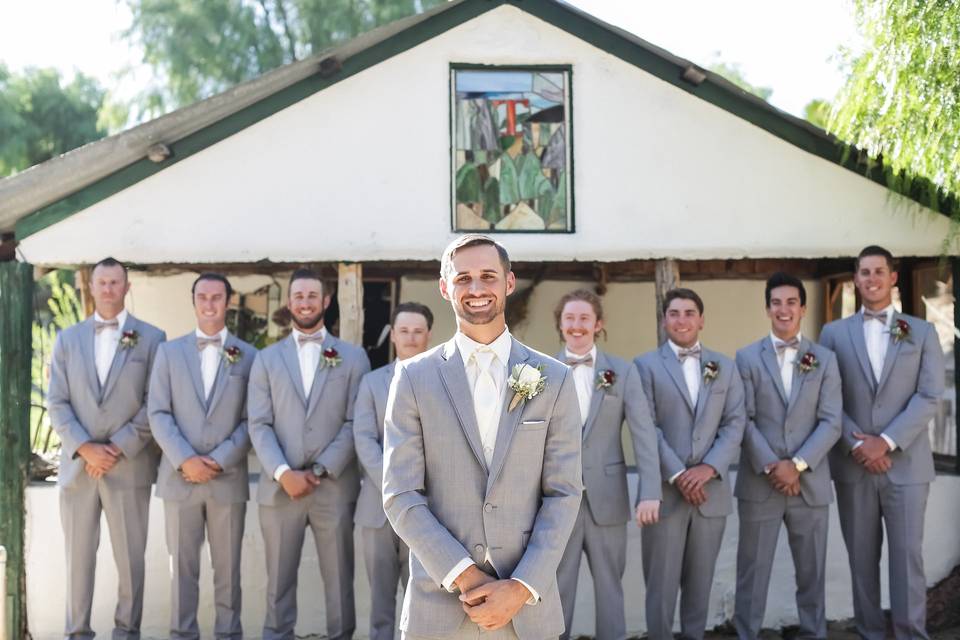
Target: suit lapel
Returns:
[596, 398]
[191, 358]
[893, 350]
[87, 348]
[508, 419]
[320, 376]
[119, 357]
[855, 328]
[288, 350]
[220, 382]
[454, 379]
[799, 377]
[768, 355]
[384, 390]
[672, 365]
[705, 385]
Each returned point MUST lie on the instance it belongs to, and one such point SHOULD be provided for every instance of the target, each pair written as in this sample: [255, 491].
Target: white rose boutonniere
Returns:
[526, 381]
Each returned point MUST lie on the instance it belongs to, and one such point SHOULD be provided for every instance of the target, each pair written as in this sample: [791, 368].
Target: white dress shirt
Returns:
[692, 375]
[583, 377]
[105, 344]
[309, 355]
[876, 335]
[210, 360]
[787, 361]
[488, 433]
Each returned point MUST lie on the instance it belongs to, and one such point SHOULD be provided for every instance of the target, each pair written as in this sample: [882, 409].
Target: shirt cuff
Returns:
[534, 596]
[675, 476]
[858, 443]
[280, 471]
[459, 568]
[890, 442]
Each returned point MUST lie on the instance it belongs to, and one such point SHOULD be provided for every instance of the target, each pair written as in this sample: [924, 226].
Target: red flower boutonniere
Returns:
[605, 379]
[808, 362]
[129, 339]
[331, 358]
[232, 355]
[900, 330]
[711, 370]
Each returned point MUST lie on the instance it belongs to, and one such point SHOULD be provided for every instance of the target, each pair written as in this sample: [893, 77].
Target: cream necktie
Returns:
[485, 401]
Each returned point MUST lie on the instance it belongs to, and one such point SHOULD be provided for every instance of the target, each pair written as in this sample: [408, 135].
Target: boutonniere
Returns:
[900, 330]
[526, 381]
[331, 358]
[129, 339]
[710, 370]
[232, 355]
[605, 379]
[808, 362]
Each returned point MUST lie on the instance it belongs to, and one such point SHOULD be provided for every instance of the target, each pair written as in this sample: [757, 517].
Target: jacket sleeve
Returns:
[366, 433]
[670, 462]
[72, 434]
[260, 419]
[922, 406]
[643, 435]
[758, 452]
[163, 424]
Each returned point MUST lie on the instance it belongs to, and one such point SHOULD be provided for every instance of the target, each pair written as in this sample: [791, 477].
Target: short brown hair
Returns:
[682, 294]
[412, 307]
[876, 250]
[472, 240]
[583, 295]
[306, 273]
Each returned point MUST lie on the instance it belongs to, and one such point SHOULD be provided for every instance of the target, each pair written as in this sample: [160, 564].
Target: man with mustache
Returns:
[300, 411]
[482, 475]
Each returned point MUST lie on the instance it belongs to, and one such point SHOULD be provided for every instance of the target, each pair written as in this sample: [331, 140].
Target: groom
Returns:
[482, 474]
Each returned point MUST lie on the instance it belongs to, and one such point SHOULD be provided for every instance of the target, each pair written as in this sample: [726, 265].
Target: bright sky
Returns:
[788, 45]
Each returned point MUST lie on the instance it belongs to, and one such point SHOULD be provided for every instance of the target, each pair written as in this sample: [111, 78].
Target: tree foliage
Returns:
[201, 48]
[733, 73]
[41, 117]
[901, 102]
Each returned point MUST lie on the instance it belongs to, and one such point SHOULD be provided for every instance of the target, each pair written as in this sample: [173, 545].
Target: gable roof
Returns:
[52, 191]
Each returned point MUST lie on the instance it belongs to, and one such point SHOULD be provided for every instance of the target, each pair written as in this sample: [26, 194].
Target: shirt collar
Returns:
[121, 318]
[775, 340]
[676, 348]
[295, 334]
[575, 356]
[500, 347]
[222, 333]
[890, 309]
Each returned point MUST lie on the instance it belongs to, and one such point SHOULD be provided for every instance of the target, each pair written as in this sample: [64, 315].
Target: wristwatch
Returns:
[319, 470]
[800, 464]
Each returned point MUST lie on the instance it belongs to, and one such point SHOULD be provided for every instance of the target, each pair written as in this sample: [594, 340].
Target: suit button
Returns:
[488, 507]
[478, 549]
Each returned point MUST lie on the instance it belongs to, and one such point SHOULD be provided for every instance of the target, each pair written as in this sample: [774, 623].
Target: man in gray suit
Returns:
[609, 391]
[481, 474]
[696, 397]
[300, 410]
[384, 553]
[793, 405]
[98, 390]
[198, 415]
[892, 369]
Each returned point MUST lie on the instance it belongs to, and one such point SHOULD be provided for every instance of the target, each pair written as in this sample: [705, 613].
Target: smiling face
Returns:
[477, 289]
[579, 326]
[875, 280]
[109, 287]
[683, 322]
[210, 305]
[307, 303]
[785, 311]
[409, 334]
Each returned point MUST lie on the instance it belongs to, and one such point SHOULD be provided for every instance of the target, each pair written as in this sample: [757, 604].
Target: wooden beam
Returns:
[16, 316]
[83, 284]
[350, 300]
[667, 277]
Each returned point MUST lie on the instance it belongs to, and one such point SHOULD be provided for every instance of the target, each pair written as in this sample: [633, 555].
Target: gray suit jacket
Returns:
[708, 433]
[287, 427]
[807, 424]
[368, 415]
[81, 411]
[185, 424]
[900, 405]
[447, 505]
[604, 470]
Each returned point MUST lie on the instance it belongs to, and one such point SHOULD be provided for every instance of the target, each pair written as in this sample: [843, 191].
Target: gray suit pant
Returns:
[470, 631]
[807, 533]
[865, 507]
[387, 559]
[127, 512]
[284, 527]
[606, 549]
[185, 524]
[680, 555]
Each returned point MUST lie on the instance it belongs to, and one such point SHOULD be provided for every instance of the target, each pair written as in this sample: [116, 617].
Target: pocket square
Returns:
[533, 421]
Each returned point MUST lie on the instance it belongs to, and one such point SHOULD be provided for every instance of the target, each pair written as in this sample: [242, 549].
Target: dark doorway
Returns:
[377, 306]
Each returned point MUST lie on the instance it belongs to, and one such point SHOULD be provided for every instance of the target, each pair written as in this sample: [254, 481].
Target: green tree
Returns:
[901, 101]
[41, 117]
[198, 49]
[817, 112]
[732, 72]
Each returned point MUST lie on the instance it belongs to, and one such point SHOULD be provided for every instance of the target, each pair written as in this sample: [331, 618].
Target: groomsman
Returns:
[384, 553]
[793, 405]
[696, 397]
[609, 391]
[482, 475]
[197, 408]
[97, 400]
[300, 411]
[892, 369]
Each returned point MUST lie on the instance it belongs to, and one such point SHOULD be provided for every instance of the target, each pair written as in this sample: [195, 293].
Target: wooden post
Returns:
[350, 300]
[16, 315]
[667, 277]
[83, 275]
